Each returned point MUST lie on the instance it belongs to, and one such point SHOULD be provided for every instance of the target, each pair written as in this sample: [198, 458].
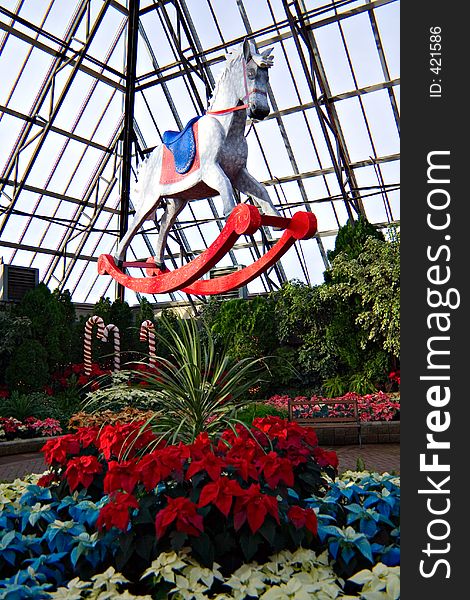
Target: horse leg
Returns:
[216, 179]
[173, 208]
[246, 183]
[140, 216]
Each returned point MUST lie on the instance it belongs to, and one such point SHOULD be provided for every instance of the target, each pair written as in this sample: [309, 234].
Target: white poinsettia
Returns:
[165, 565]
[380, 583]
[197, 574]
[73, 590]
[294, 589]
[108, 580]
[246, 581]
[187, 590]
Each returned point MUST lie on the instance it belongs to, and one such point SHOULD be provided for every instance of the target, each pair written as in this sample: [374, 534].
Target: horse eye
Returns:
[251, 73]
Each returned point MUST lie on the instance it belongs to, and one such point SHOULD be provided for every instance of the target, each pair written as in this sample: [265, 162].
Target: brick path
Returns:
[376, 457]
[19, 465]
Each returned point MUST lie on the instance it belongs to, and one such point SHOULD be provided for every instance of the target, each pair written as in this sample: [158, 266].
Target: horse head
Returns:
[256, 80]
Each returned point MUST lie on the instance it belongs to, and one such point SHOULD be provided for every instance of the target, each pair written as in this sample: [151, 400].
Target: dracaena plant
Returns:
[196, 387]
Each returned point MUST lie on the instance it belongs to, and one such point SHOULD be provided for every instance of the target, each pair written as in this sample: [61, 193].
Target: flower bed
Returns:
[372, 407]
[222, 519]
[44, 542]
[13, 429]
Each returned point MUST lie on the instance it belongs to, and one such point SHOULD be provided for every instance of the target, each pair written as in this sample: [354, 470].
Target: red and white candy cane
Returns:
[147, 332]
[117, 344]
[95, 320]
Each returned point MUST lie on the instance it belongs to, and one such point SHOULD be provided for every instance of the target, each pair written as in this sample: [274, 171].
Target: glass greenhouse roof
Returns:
[330, 144]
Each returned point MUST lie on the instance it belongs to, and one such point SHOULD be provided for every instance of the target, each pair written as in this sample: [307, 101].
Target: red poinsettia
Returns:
[82, 470]
[276, 470]
[150, 471]
[201, 446]
[115, 440]
[46, 479]
[116, 512]
[184, 512]
[171, 460]
[121, 476]
[254, 506]
[56, 450]
[326, 458]
[210, 463]
[244, 467]
[220, 493]
[303, 517]
[87, 436]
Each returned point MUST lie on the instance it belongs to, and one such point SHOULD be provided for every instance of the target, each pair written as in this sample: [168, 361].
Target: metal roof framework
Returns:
[88, 87]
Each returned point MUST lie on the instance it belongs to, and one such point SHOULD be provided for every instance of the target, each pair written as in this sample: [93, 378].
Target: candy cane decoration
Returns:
[147, 331]
[117, 344]
[95, 320]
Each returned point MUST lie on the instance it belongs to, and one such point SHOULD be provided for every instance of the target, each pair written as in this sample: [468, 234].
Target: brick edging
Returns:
[372, 432]
[23, 446]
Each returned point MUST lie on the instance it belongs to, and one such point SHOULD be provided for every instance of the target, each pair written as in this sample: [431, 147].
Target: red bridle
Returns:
[246, 97]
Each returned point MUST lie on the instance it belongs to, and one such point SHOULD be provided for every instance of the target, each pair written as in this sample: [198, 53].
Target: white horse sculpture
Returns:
[221, 154]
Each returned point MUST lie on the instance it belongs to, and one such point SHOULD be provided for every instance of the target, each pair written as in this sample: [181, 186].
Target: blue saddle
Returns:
[183, 146]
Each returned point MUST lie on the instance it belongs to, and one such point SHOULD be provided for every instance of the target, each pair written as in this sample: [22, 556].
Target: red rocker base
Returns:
[244, 219]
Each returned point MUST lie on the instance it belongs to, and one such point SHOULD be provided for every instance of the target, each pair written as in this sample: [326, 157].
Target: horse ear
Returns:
[247, 49]
[266, 53]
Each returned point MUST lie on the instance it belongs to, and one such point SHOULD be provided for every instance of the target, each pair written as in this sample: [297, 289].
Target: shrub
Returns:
[51, 317]
[259, 410]
[28, 369]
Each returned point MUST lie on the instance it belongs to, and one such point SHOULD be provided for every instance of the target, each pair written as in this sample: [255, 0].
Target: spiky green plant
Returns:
[198, 388]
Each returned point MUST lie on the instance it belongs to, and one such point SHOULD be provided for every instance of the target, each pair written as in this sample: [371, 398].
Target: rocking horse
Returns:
[208, 158]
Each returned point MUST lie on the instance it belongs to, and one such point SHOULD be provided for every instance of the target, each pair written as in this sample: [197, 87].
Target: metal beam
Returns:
[55, 195]
[54, 112]
[49, 251]
[178, 66]
[327, 170]
[63, 57]
[128, 134]
[40, 123]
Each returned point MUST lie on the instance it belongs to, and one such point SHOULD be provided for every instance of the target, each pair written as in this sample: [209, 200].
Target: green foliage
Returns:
[302, 317]
[352, 237]
[51, 321]
[259, 409]
[296, 305]
[28, 368]
[32, 404]
[64, 405]
[371, 281]
[145, 312]
[12, 330]
[245, 327]
[116, 394]
[198, 388]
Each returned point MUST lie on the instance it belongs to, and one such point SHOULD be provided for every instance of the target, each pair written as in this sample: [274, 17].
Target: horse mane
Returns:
[233, 58]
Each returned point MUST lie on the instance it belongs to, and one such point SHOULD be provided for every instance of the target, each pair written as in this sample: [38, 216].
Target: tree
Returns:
[373, 279]
[28, 368]
[50, 323]
[13, 331]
